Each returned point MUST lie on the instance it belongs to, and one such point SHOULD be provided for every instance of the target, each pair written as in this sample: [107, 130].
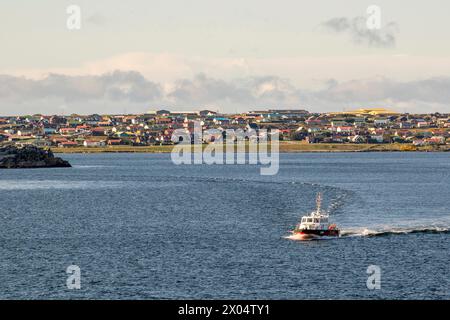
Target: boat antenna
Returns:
[319, 202]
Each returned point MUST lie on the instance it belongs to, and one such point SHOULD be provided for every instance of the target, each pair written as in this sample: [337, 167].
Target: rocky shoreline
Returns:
[29, 157]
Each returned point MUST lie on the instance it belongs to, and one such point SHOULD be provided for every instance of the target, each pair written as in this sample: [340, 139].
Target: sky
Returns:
[231, 56]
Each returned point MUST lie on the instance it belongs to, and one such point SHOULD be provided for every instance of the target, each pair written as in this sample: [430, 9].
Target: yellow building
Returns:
[368, 111]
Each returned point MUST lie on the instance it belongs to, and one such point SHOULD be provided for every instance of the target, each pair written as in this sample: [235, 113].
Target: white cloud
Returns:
[120, 91]
[118, 85]
[303, 71]
[359, 33]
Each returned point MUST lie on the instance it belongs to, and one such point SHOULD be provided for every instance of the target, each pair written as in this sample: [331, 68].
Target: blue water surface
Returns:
[140, 227]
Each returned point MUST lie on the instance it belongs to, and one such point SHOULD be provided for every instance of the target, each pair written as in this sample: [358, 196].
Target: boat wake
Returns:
[296, 237]
[383, 232]
[365, 232]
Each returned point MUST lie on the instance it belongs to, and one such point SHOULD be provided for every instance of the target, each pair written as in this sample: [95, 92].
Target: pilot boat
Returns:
[316, 225]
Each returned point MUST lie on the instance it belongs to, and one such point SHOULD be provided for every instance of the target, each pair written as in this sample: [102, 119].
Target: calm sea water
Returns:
[140, 227]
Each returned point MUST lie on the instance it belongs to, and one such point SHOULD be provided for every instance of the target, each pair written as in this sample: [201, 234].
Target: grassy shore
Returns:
[285, 147]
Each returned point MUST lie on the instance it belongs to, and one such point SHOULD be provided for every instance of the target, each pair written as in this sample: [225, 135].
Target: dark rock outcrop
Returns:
[12, 157]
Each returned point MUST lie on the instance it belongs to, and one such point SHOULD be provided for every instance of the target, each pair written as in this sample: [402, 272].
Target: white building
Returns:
[91, 143]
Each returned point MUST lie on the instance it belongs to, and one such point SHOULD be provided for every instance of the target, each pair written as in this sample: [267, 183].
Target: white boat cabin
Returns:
[314, 222]
[318, 220]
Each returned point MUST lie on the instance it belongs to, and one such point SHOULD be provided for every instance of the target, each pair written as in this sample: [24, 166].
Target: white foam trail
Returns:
[365, 232]
[296, 237]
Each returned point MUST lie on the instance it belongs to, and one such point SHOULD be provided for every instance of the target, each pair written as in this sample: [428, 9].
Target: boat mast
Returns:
[319, 202]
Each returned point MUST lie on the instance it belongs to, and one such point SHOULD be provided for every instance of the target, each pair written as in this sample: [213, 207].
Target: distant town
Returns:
[362, 126]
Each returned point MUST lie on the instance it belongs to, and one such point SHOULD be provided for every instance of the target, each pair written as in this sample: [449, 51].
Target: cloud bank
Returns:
[121, 91]
[357, 30]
